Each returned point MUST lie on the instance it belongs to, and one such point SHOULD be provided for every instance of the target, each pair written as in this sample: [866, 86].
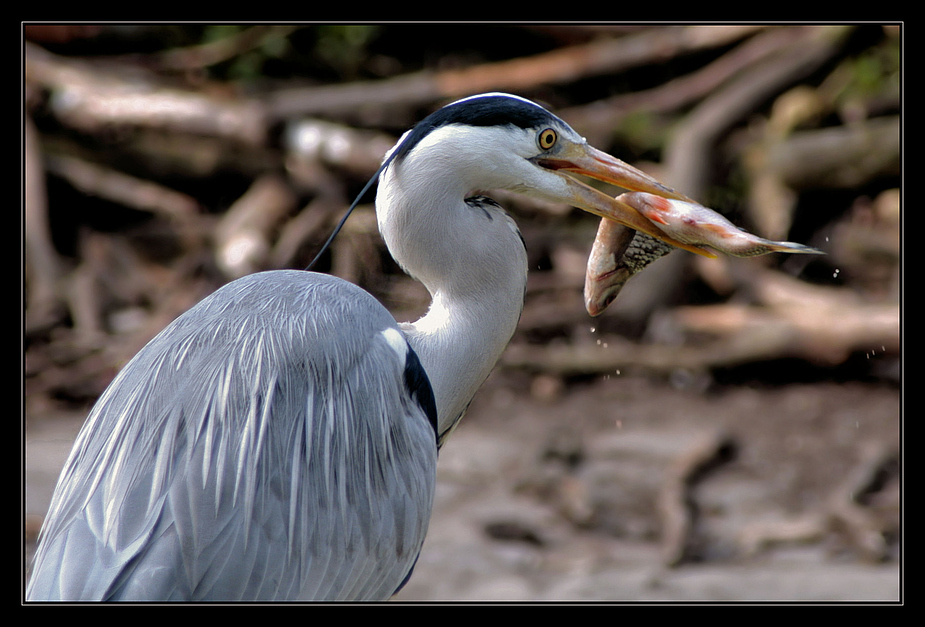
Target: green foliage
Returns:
[343, 47]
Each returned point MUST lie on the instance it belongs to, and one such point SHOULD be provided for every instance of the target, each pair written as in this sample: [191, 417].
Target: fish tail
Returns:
[793, 248]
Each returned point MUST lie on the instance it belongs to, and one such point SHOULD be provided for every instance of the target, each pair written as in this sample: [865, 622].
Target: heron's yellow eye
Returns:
[547, 139]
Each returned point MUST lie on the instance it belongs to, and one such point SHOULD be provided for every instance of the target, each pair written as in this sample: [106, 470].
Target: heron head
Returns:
[500, 141]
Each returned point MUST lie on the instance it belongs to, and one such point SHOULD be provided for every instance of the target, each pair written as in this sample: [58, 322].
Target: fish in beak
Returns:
[615, 256]
[644, 224]
[583, 159]
[627, 241]
[694, 224]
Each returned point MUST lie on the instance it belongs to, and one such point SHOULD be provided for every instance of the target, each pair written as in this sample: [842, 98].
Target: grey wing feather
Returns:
[263, 446]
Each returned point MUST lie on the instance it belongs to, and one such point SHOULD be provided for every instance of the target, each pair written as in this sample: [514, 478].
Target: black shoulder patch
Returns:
[418, 385]
[407, 576]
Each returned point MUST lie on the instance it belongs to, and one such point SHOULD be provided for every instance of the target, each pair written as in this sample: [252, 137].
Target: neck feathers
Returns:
[472, 260]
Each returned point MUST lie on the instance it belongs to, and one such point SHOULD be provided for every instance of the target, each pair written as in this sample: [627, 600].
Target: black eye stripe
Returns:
[487, 110]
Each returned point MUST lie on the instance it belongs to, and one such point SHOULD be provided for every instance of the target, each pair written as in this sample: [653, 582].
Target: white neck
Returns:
[473, 263]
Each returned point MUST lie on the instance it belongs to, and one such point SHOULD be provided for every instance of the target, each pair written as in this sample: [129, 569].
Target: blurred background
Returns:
[727, 430]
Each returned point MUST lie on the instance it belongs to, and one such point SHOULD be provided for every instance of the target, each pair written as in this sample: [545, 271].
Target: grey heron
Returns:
[279, 439]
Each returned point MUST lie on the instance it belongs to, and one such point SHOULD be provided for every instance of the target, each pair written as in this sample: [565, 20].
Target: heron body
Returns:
[255, 414]
[279, 440]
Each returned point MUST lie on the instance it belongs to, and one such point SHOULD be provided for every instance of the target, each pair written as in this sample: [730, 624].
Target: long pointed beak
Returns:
[589, 161]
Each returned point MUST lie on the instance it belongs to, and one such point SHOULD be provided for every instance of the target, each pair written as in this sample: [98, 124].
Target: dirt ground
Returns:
[551, 492]
[556, 499]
